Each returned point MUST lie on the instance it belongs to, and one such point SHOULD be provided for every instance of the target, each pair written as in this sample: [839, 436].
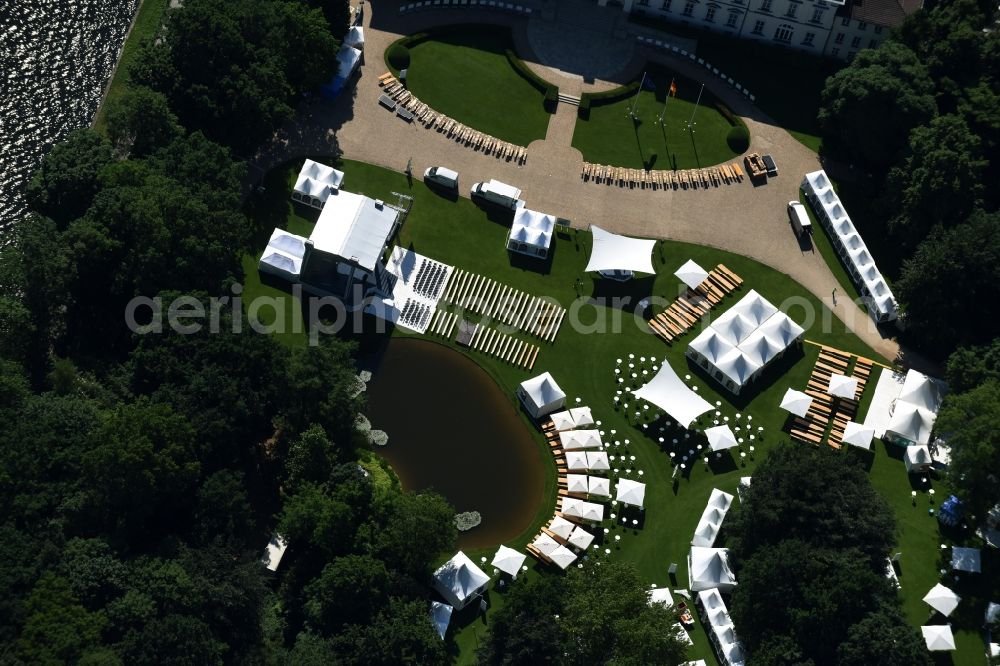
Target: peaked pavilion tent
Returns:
[531, 232]
[561, 527]
[598, 460]
[612, 252]
[910, 423]
[858, 434]
[577, 483]
[691, 274]
[938, 637]
[599, 485]
[576, 508]
[942, 599]
[917, 459]
[541, 395]
[796, 402]
[711, 518]
[562, 557]
[441, 617]
[545, 544]
[966, 559]
[709, 568]
[842, 386]
[572, 418]
[581, 538]
[508, 560]
[355, 37]
[630, 492]
[669, 393]
[574, 440]
[459, 580]
[576, 461]
[720, 437]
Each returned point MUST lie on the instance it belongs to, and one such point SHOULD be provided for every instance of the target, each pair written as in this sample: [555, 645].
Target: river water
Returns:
[55, 60]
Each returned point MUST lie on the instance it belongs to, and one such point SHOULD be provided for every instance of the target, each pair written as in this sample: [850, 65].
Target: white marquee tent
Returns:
[966, 559]
[273, 552]
[562, 557]
[661, 595]
[691, 274]
[612, 252]
[574, 440]
[917, 459]
[598, 460]
[938, 637]
[541, 395]
[572, 418]
[545, 544]
[315, 183]
[942, 599]
[508, 560]
[459, 580]
[630, 492]
[669, 393]
[910, 423]
[721, 628]
[581, 538]
[842, 386]
[711, 518]
[441, 617]
[531, 232]
[355, 37]
[577, 483]
[576, 461]
[720, 437]
[576, 508]
[709, 568]
[283, 255]
[561, 527]
[796, 402]
[599, 485]
[858, 434]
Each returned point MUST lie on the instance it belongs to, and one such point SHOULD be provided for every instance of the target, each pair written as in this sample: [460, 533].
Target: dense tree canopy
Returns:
[969, 367]
[968, 422]
[66, 182]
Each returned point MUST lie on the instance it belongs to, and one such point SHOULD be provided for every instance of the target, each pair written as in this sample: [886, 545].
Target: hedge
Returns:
[398, 57]
[588, 100]
[738, 139]
[726, 113]
[549, 90]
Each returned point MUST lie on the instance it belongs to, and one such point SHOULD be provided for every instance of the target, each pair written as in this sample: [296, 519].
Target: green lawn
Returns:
[466, 76]
[823, 244]
[583, 362]
[611, 136]
[148, 19]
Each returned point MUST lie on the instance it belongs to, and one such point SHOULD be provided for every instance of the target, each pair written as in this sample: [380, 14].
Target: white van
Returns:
[442, 176]
[799, 218]
[499, 193]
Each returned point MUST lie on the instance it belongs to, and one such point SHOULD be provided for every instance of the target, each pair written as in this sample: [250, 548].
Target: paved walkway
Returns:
[740, 218]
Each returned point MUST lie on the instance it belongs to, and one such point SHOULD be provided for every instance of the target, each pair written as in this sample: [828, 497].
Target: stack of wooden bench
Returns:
[723, 174]
[694, 304]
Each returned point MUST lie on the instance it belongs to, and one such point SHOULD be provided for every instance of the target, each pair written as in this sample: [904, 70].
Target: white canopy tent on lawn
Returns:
[630, 492]
[441, 617]
[858, 434]
[531, 232]
[508, 560]
[938, 637]
[598, 460]
[545, 544]
[612, 252]
[459, 580]
[917, 459]
[576, 508]
[691, 274]
[711, 518]
[709, 568]
[355, 37]
[574, 440]
[661, 595]
[669, 393]
[911, 423]
[581, 538]
[577, 483]
[599, 485]
[796, 402]
[541, 395]
[576, 461]
[572, 418]
[562, 557]
[842, 386]
[561, 527]
[942, 599]
[720, 437]
[966, 559]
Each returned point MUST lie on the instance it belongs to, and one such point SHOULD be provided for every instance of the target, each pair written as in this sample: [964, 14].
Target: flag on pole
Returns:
[673, 87]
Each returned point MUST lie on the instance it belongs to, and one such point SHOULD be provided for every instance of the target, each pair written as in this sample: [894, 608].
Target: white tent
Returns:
[348, 59]
[508, 560]
[922, 391]
[942, 599]
[668, 392]
[572, 418]
[574, 440]
[577, 483]
[541, 395]
[691, 274]
[581, 538]
[910, 423]
[561, 527]
[459, 580]
[796, 402]
[709, 568]
[661, 595]
[354, 228]
[720, 437]
[531, 232]
[599, 485]
[283, 255]
[598, 460]
[966, 559]
[938, 637]
[743, 486]
[842, 386]
[441, 617]
[738, 366]
[711, 518]
[545, 544]
[630, 492]
[273, 552]
[612, 252]
[917, 459]
[858, 435]
[575, 508]
[761, 348]
[711, 345]
[576, 461]
[355, 37]
[315, 183]
[562, 557]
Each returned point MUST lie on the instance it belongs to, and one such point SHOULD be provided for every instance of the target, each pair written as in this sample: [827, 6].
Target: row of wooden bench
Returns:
[505, 347]
[714, 176]
[694, 304]
[828, 411]
[532, 314]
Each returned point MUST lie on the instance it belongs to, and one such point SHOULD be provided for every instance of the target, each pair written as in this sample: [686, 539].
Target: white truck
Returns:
[799, 218]
[498, 193]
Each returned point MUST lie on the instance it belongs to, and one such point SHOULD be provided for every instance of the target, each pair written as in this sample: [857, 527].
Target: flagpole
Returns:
[635, 103]
[666, 99]
[697, 102]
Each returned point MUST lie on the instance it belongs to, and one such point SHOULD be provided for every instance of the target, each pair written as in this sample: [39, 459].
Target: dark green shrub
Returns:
[398, 57]
[551, 99]
[726, 113]
[738, 139]
[584, 110]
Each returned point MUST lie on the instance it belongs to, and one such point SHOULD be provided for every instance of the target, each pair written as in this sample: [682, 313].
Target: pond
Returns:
[453, 430]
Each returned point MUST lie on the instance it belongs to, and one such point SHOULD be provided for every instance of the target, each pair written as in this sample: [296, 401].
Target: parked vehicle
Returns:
[799, 218]
[499, 193]
[441, 176]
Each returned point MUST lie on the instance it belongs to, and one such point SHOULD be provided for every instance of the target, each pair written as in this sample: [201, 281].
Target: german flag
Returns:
[673, 87]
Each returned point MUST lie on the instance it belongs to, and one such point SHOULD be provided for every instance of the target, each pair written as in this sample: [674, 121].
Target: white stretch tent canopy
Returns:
[572, 418]
[711, 518]
[917, 459]
[922, 391]
[355, 37]
[508, 560]
[911, 423]
[669, 393]
[545, 544]
[577, 483]
[561, 527]
[796, 402]
[562, 557]
[574, 440]
[630, 492]
[273, 552]
[966, 559]
[842, 386]
[942, 599]
[938, 637]
[441, 617]
[459, 580]
[575, 508]
[541, 395]
[720, 437]
[661, 595]
[612, 252]
[691, 274]
[598, 485]
[858, 434]
[709, 568]
[531, 232]
[581, 538]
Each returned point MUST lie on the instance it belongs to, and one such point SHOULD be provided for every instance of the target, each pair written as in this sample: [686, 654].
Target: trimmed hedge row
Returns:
[726, 113]
[549, 90]
[588, 100]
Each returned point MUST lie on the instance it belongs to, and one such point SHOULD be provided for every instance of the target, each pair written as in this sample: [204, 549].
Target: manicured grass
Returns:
[583, 363]
[148, 19]
[611, 136]
[466, 76]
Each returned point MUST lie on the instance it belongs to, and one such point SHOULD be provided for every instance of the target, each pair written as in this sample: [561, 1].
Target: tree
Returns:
[968, 367]
[318, 383]
[223, 513]
[310, 458]
[174, 640]
[141, 121]
[350, 589]
[869, 107]
[57, 629]
[66, 182]
[522, 631]
[312, 520]
[953, 272]
[883, 637]
[427, 514]
[968, 422]
[401, 634]
[336, 12]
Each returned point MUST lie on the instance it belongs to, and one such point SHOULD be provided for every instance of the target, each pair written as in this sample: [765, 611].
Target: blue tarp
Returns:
[951, 511]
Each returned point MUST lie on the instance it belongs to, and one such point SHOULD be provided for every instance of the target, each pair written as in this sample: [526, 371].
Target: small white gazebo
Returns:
[561, 527]
[531, 233]
[569, 419]
[460, 581]
[508, 560]
[620, 256]
[576, 508]
[598, 485]
[942, 599]
[938, 637]
[541, 395]
[842, 386]
[720, 437]
[562, 557]
[577, 483]
[545, 544]
[581, 538]
[858, 434]
[796, 402]
[630, 492]
[917, 459]
[575, 440]
[598, 461]
[691, 274]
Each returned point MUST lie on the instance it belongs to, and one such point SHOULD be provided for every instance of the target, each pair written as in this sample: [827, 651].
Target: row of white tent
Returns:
[711, 518]
[915, 409]
[720, 628]
[849, 244]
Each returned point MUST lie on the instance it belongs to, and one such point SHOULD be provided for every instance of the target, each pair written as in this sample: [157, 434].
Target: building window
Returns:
[817, 16]
[862, 25]
[808, 41]
[758, 28]
[792, 10]
[839, 39]
[878, 30]
[856, 42]
[765, 5]
[733, 18]
[783, 33]
[710, 14]
[872, 43]
[689, 9]
[846, 21]
[665, 6]
[835, 52]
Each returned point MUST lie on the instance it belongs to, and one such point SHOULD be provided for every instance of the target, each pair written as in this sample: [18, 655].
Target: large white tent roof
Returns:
[508, 560]
[669, 393]
[709, 568]
[938, 637]
[576, 460]
[720, 437]
[598, 460]
[573, 440]
[911, 422]
[354, 227]
[858, 434]
[283, 255]
[630, 492]
[545, 544]
[612, 252]
[691, 273]
[966, 559]
[922, 391]
[711, 518]
[842, 386]
[355, 37]
[532, 227]
[572, 418]
[459, 578]
[441, 617]
[796, 402]
[711, 345]
[543, 390]
[942, 599]
[348, 59]
[738, 366]
[577, 483]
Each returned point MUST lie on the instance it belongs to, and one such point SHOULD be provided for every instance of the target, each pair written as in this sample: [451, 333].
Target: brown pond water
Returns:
[451, 429]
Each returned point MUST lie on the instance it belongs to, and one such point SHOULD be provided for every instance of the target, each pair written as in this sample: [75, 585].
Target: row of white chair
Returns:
[520, 10]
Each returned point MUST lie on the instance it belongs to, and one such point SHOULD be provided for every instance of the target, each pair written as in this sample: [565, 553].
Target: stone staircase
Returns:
[569, 99]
